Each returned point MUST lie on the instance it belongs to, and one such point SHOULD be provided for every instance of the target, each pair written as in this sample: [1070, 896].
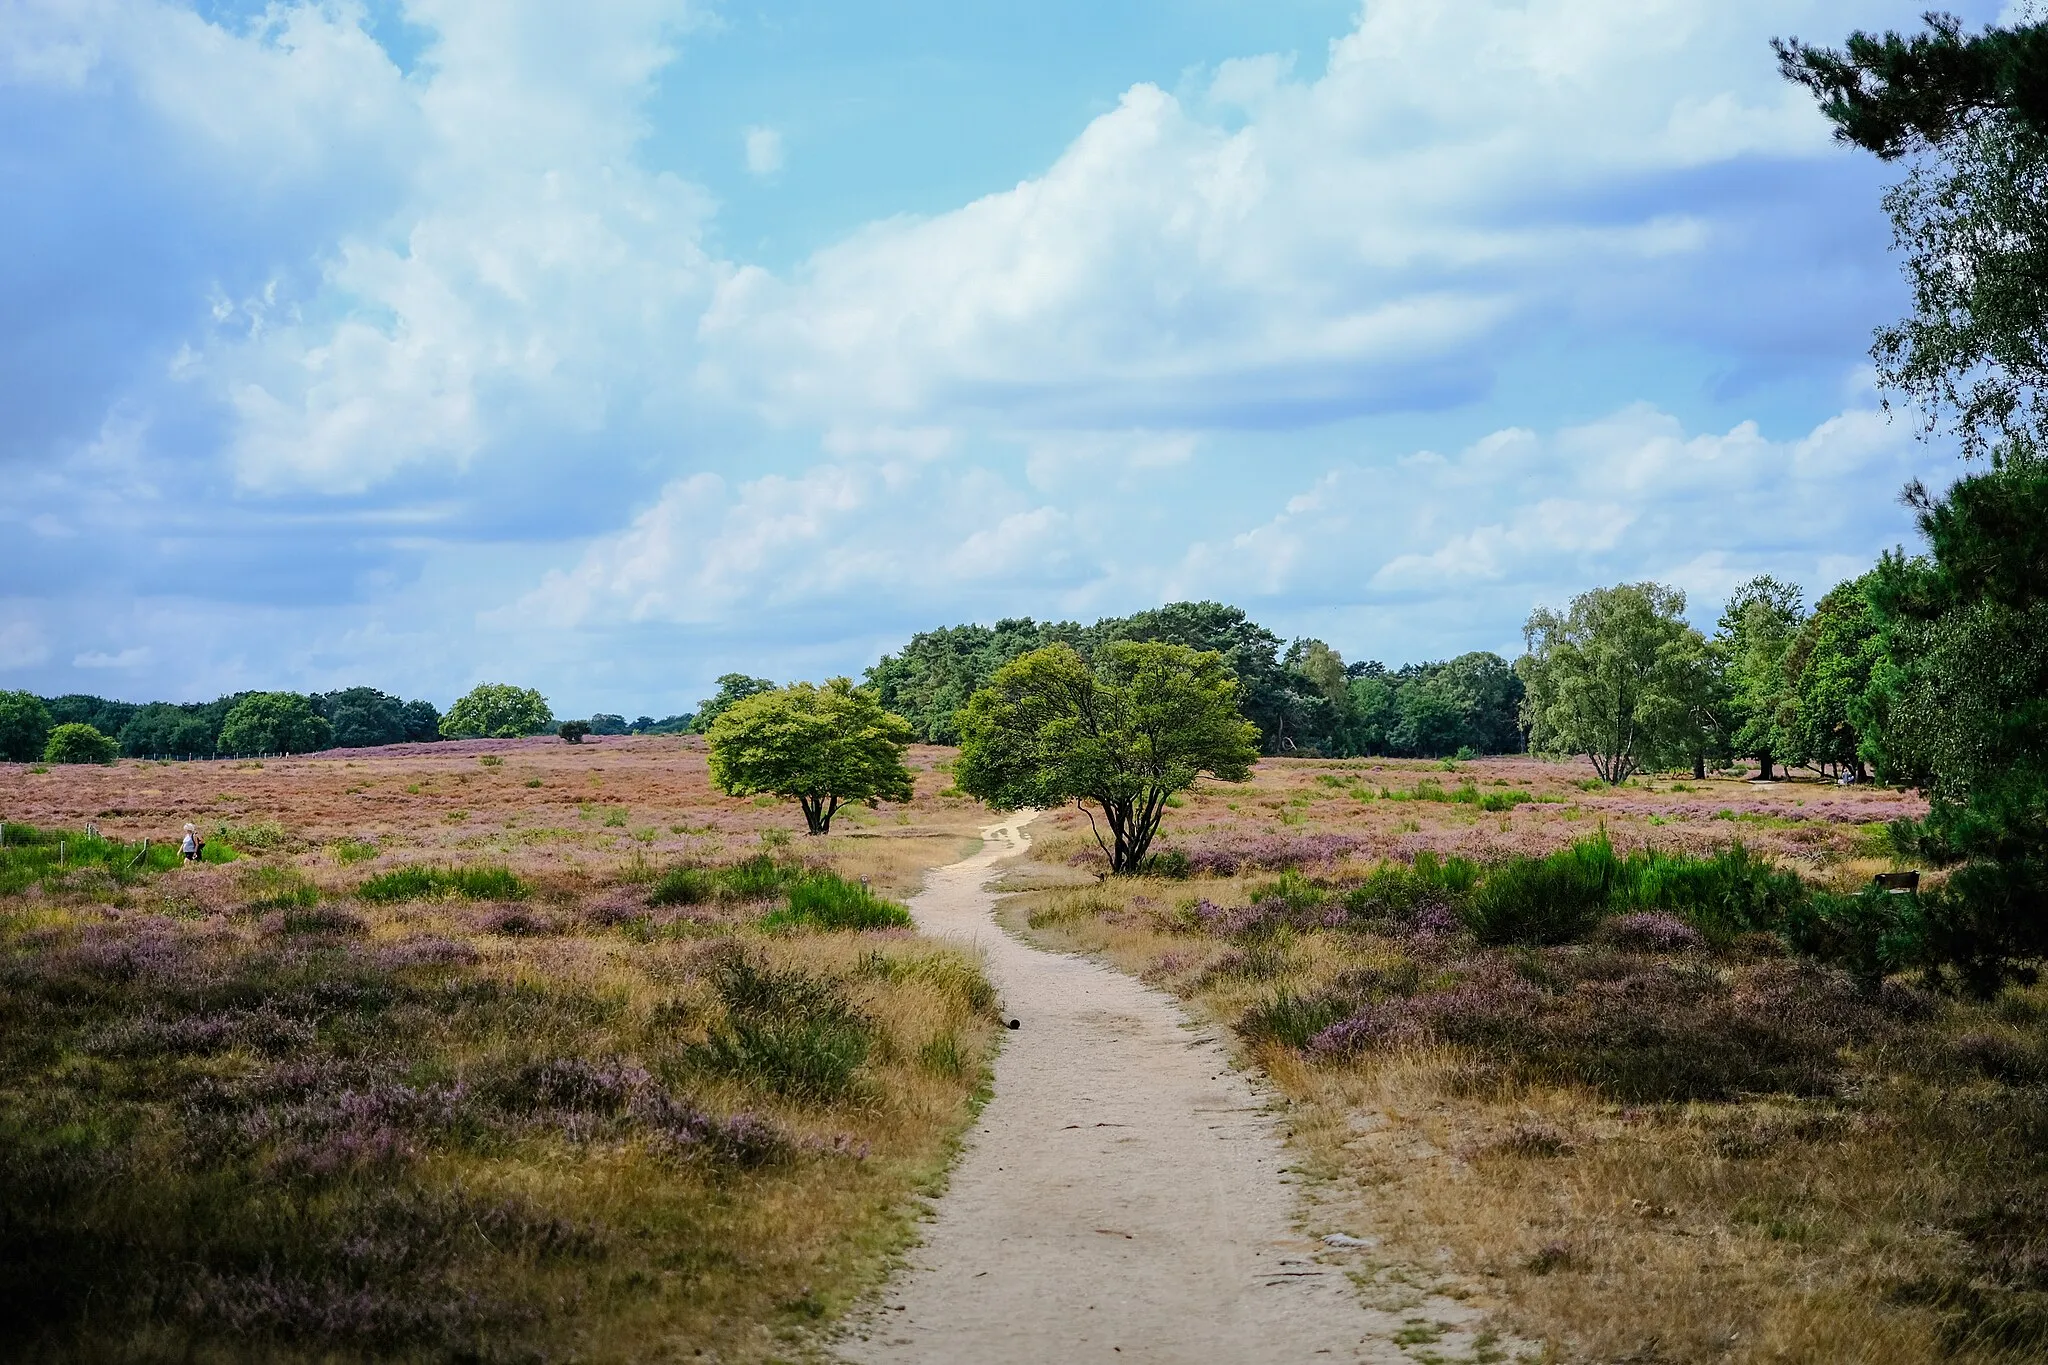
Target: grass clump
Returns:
[419, 882]
[786, 1031]
[824, 900]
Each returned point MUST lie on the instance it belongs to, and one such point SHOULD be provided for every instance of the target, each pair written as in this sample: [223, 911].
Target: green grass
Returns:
[53, 858]
[824, 900]
[419, 882]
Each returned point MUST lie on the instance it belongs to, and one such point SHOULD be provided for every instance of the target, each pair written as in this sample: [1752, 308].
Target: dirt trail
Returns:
[1122, 1197]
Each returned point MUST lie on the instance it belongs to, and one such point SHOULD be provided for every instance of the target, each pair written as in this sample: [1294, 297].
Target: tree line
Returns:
[77, 728]
[1301, 696]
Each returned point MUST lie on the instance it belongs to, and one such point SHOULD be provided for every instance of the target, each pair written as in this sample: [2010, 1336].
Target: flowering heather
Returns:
[239, 1099]
[1651, 931]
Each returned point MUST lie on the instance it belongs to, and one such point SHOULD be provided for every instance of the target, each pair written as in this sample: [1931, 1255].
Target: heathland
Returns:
[500, 1050]
[518, 1049]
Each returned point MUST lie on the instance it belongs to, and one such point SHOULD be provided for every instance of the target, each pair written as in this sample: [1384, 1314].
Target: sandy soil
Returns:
[1123, 1197]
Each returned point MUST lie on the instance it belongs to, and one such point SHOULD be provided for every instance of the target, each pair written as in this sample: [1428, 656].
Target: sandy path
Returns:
[1122, 1197]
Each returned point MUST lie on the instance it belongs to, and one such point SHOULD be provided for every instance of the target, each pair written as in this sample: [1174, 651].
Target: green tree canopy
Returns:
[364, 718]
[1971, 216]
[498, 711]
[1124, 731]
[1829, 669]
[1611, 677]
[165, 730]
[824, 746]
[274, 723]
[732, 688]
[1755, 635]
[24, 726]
[81, 709]
[76, 742]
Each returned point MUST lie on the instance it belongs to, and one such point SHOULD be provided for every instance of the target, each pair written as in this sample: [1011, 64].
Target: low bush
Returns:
[1552, 899]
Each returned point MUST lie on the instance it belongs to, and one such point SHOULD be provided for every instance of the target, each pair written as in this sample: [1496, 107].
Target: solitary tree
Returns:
[1125, 732]
[825, 746]
[573, 731]
[77, 742]
[497, 711]
[24, 726]
[274, 723]
[1611, 678]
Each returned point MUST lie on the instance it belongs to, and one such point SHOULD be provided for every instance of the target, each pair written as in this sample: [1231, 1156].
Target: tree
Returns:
[75, 742]
[497, 711]
[1958, 700]
[604, 723]
[163, 729]
[733, 688]
[1755, 633]
[274, 723]
[1971, 216]
[1125, 731]
[573, 731]
[1610, 678]
[932, 677]
[76, 708]
[1286, 707]
[825, 746]
[24, 726]
[362, 717]
[1829, 669]
[422, 722]
[1372, 714]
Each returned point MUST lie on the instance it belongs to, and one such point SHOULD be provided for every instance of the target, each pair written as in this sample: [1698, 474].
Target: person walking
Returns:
[193, 845]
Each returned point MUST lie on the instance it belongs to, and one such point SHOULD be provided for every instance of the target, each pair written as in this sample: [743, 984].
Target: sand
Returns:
[1123, 1197]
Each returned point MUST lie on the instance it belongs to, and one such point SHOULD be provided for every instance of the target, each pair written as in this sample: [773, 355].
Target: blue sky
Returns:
[608, 348]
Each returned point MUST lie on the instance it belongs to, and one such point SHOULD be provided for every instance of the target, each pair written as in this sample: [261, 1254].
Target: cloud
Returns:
[22, 642]
[764, 152]
[1401, 552]
[1270, 250]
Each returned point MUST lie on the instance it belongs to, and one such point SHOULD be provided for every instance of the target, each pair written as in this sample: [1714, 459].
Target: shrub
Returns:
[79, 743]
[573, 731]
[1504, 801]
[1399, 892]
[1552, 899]
[826, 901]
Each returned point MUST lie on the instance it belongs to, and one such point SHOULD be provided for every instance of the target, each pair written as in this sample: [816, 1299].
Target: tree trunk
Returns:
[1699, 767]
[1763, 770]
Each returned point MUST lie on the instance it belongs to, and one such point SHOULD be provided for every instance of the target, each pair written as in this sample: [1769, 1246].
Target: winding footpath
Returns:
[1122, 1197]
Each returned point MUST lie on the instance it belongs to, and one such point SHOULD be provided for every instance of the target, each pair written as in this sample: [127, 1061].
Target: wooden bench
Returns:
[1898, 883]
